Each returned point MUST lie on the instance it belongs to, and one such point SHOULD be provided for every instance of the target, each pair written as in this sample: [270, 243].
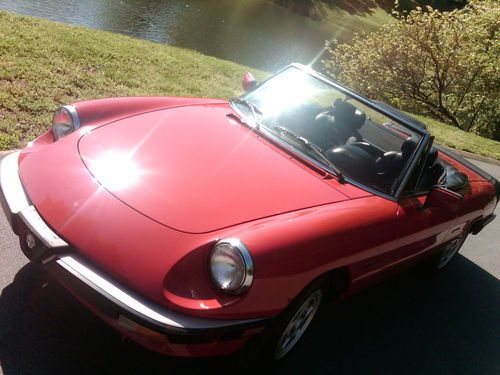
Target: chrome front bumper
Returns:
[116, 302]
[92, 285]
[17, 206]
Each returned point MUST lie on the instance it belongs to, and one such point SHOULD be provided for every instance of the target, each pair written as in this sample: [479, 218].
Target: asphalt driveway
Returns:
[411, 324]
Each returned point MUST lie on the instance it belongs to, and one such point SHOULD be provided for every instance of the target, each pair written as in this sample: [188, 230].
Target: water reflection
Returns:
[253, 32]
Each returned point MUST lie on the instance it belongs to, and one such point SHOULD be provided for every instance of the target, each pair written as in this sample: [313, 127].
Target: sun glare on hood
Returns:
[115, 170]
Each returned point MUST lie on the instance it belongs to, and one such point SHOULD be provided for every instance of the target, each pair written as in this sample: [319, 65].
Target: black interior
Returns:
[392, 162]
[452, 178]
[337, 131]
[359, 162]
[441, 173]
[345, 120]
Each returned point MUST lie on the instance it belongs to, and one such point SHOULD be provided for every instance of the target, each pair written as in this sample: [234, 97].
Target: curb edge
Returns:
[6, 152]
[470, 155]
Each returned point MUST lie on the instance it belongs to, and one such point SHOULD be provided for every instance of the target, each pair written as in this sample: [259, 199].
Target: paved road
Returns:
[411, 324]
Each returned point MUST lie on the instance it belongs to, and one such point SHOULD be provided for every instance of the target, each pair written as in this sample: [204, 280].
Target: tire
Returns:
[283, 335]
[447, 254]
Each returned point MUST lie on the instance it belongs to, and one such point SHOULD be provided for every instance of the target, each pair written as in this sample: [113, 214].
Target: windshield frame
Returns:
[403, 178]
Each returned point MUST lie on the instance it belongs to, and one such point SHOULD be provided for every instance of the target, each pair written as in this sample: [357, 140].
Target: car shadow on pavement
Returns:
[413, 323]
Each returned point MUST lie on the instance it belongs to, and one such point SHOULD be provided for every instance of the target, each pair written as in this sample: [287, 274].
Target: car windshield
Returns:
[335, 130]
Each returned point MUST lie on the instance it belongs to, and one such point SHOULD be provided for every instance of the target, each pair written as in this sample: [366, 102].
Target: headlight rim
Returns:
[75, 119]
[247, 262]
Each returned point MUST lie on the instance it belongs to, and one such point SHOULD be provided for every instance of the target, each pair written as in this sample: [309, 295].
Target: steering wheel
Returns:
[372, 150]
[376, 154]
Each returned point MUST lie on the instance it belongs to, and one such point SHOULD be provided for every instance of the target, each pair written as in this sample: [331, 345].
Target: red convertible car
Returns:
[194, 226]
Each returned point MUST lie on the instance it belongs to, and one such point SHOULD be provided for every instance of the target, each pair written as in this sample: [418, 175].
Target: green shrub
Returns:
[443, 64]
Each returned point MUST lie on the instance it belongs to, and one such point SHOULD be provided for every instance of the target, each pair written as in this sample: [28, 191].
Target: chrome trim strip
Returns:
[74, 115]
[36, 225]
[18, 202]
[134, 303]
[74, 119]
[247, 259]
[11, 183]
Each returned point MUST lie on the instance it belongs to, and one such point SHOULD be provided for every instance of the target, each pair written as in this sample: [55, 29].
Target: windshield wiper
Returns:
[253, 108]
[311, 146]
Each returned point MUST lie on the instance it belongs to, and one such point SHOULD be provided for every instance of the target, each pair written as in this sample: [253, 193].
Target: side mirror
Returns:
[248, 81]
[443, 198]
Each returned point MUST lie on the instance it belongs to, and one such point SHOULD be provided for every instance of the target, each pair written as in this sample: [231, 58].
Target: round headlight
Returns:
[231, 266]
[65, 121]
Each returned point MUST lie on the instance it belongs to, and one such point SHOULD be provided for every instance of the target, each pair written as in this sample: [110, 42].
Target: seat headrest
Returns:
[407, 148]
[347, 113]
[432, 157]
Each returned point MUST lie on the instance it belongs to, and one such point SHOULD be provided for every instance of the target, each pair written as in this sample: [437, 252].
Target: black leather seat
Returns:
[392, 162]
[454, 179]
[434, 171]
[441, 173]
[346, 120]
[354, 162]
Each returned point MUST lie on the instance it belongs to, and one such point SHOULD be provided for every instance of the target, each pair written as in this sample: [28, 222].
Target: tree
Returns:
[445, 64]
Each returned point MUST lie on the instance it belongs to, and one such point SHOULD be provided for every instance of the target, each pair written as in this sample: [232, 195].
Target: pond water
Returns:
[252, 32]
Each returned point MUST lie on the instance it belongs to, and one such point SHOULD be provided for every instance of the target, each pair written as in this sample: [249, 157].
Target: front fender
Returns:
[102, 111]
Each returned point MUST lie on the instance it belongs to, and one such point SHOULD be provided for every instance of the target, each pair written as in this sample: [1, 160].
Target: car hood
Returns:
[196, 169]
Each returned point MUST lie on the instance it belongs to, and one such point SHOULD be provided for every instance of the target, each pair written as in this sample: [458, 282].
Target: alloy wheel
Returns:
[450, 251]
[298, 324]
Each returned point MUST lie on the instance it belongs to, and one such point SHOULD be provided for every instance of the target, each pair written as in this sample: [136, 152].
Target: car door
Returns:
[423, 225]
[427, 213]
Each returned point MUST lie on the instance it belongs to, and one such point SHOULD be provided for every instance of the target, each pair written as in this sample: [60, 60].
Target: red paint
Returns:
[203, 177]
[207, 174]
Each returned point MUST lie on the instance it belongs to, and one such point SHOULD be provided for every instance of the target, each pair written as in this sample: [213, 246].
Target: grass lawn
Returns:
[44, 64]
[451, 136]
